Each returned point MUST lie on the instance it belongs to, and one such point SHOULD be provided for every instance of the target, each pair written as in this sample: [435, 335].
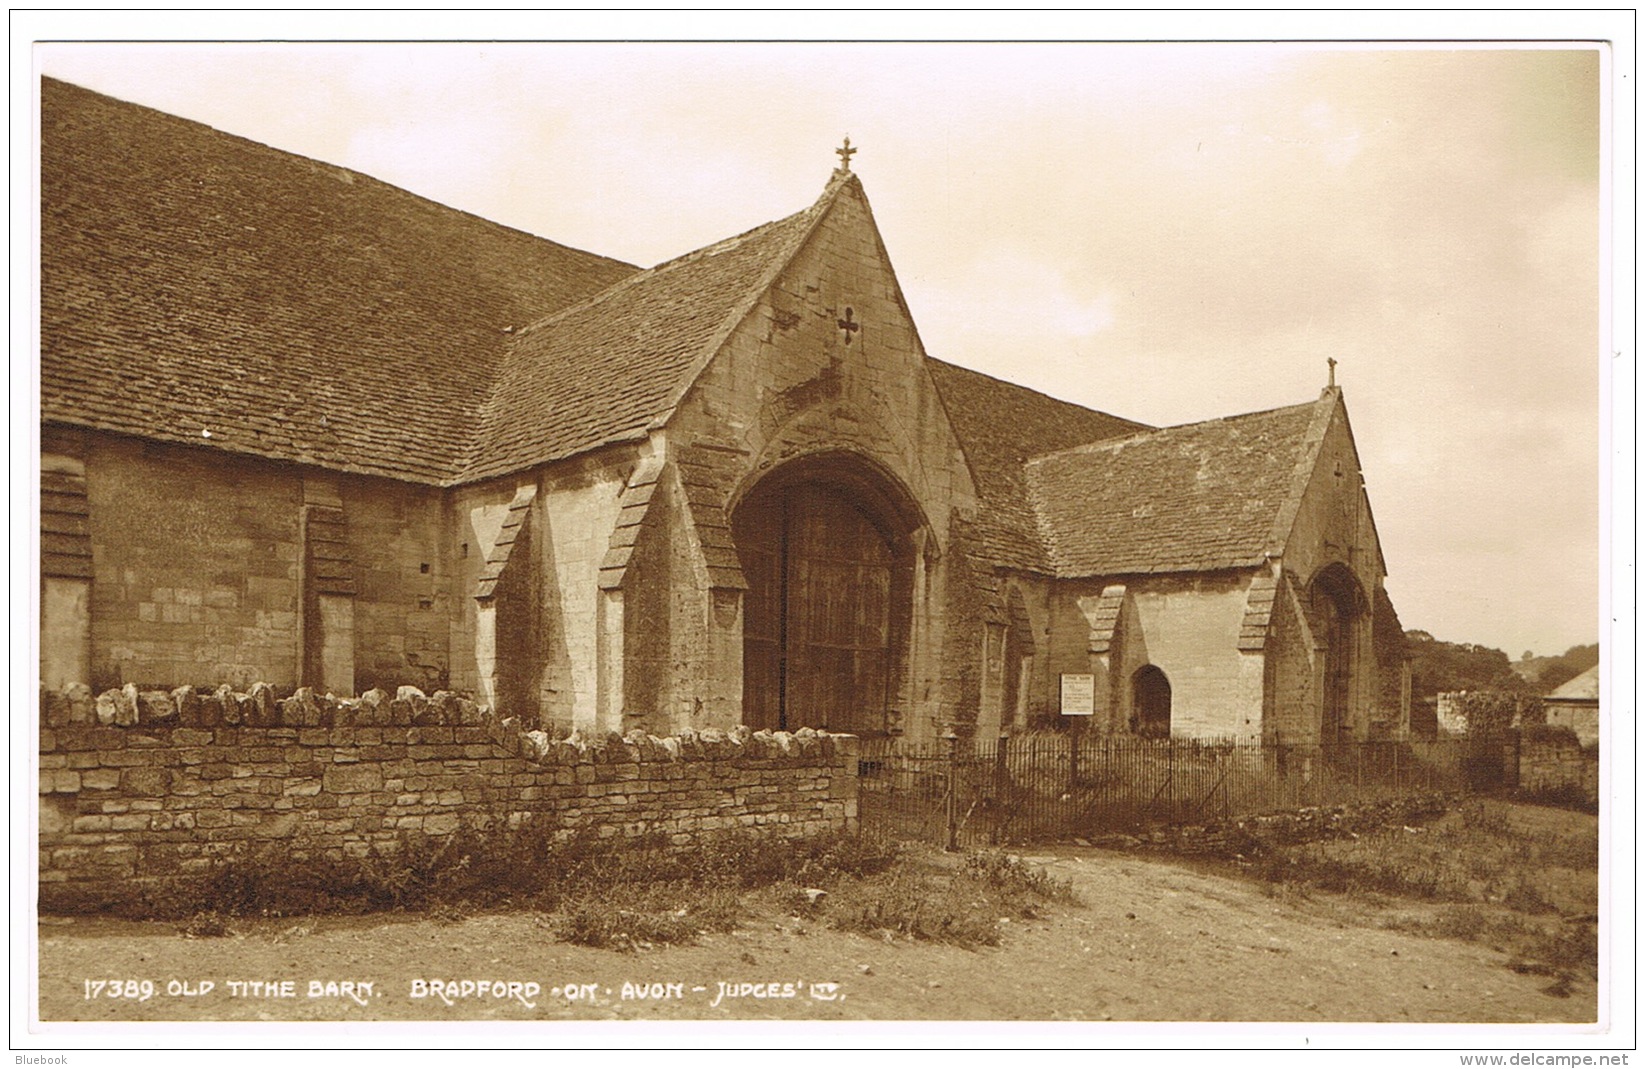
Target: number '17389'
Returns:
[139, 990]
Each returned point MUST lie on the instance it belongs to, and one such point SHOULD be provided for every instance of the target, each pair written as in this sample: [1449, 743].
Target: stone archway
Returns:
[827, 547]
[1338, 605]
[1019, 662]
[1151, 702]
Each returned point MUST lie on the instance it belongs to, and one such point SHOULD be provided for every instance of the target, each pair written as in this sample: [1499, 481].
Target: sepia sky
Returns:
[1166, 232]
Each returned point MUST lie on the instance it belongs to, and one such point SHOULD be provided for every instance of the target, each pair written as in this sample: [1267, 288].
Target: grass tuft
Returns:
[1505, 876]
[624, 895]
[927, 899]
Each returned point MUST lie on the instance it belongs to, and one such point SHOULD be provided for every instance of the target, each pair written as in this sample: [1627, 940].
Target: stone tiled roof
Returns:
[1584, 687]
[1000, 426]
[198, 283]
[612, 368]
[1198, 497]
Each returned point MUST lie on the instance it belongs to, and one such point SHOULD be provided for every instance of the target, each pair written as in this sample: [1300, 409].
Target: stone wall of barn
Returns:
[1186, 626]
[528, 620]
[1582, 717]
[1292, 712]
[204, 568]
[138, 786]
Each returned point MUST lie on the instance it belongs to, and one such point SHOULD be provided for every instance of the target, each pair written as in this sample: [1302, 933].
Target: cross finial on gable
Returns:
[845, 152]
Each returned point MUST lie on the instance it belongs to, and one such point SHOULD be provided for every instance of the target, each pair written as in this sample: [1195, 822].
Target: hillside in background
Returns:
[1546, 673]
[1438, 666]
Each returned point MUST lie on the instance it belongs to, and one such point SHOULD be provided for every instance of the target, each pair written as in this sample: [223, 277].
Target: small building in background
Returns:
[1575, 704]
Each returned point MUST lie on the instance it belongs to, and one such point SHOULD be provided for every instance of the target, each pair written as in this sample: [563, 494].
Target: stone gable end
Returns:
[791, 380]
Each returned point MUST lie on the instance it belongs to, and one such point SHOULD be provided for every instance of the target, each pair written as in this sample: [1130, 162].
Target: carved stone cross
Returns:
[848, 326]
[845, 152]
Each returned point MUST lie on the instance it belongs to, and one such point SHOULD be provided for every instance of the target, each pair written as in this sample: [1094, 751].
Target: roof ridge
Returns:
[381, 183]
[1029, 389]
[726, 244]
[645, 273]
[1123, 439]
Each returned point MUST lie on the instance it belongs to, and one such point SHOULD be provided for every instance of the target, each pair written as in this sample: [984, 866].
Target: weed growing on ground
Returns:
[1569, 796]
[207, 924]
[1505, 874]
[1011, 875]
[642, 917]
[627, 894]
[1475, 854]
[1484, 815]
[923, 899]
[918, 905]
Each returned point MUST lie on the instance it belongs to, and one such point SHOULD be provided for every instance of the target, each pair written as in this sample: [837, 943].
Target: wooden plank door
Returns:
[839, 615]
[817, 614]
[760, 548]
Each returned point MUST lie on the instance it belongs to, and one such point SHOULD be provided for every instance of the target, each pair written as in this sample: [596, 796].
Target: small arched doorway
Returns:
[1337, 603]
[1151, 702]
[1018, 656]
[825, 546]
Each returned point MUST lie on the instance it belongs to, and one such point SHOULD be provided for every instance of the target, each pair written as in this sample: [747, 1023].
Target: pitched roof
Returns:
[613, 367]
[1000, 426]
[1196, 497]
[1583, 687]
[194, 281]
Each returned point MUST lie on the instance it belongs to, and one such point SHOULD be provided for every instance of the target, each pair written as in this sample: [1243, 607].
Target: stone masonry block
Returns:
[54, 708]
[260, 707]
[155, 706]
[353, 779]
[99, 779]
[82, 703]
[190, 709]
[441, 823]
[230, 705]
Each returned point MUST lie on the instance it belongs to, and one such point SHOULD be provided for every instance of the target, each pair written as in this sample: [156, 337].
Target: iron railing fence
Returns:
[1050, 787]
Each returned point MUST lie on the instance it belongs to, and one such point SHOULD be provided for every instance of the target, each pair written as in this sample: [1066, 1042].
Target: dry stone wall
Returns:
[137, 786]
[1554, 762]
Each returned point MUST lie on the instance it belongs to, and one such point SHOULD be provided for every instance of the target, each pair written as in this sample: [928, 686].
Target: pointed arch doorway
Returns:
[827, 550]
[1339, 605]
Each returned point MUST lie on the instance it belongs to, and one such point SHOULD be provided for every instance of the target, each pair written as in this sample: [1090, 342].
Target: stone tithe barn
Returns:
[303, 427]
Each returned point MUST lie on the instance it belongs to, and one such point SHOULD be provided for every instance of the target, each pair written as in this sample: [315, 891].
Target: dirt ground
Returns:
[1154, 941]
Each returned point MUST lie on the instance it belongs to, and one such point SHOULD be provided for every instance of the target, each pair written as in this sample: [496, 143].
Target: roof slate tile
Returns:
[199, 287]
[610, 368]
[1000, 426]
[1196, 497]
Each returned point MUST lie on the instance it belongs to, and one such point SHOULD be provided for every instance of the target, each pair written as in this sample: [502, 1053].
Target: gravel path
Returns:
[1155, 941]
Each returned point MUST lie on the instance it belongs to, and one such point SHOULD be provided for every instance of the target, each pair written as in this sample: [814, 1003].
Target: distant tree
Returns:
[1567, 666]
[1438, 667]
[1527, 655]
[1583, 657]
